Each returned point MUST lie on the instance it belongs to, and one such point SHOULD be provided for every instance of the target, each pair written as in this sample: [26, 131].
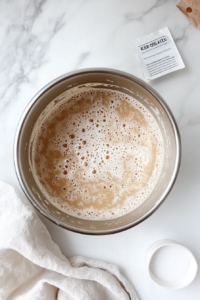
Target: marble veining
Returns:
[43, 39]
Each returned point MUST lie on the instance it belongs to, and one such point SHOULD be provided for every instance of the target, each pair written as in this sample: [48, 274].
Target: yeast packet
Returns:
[158, 54]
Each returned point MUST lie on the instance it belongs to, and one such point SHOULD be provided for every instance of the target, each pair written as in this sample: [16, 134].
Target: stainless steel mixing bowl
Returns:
[107, 79]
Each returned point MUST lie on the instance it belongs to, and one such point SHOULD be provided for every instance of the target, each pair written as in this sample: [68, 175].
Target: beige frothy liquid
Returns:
[98, 155]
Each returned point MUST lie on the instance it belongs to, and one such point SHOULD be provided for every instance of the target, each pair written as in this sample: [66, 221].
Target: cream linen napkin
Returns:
[33, 267]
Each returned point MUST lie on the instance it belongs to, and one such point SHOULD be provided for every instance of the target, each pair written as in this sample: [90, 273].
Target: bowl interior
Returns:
[107, 79]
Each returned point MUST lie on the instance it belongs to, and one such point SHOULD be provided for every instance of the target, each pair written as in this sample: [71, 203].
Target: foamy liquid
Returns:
[98, 154]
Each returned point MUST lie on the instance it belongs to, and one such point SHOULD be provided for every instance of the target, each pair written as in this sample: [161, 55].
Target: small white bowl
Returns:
[191, 271]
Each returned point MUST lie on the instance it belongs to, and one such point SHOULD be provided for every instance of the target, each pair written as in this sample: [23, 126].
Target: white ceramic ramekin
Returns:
[186, 279]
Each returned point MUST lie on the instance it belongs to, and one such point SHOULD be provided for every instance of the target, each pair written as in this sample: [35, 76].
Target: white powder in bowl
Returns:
[170, 263]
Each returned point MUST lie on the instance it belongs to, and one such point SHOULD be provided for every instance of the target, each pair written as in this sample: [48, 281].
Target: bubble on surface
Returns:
[98, 155]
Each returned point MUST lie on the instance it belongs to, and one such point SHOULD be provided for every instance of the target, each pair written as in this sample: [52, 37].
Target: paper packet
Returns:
[158, 54]
[191, 9]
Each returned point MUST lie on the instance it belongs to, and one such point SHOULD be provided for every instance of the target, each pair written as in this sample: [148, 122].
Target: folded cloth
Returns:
[33, 267]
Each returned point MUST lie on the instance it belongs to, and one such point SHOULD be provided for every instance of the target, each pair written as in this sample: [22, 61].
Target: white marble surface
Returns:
[40, 40]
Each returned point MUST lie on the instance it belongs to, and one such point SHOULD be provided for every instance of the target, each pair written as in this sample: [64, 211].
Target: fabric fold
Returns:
[33, 267]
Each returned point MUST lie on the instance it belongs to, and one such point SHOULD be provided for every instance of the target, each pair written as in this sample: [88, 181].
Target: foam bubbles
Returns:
[98, 155]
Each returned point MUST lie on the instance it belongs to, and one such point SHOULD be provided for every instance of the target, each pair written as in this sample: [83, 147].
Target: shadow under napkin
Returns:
[33, 267]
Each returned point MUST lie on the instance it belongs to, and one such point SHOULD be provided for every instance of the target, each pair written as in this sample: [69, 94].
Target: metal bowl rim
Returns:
[106, 71]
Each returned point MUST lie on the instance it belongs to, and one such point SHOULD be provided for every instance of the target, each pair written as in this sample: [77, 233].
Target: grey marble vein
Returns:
[24, 51]
[42, 39]
[130, 17]
[81, 59]
[183, 36]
